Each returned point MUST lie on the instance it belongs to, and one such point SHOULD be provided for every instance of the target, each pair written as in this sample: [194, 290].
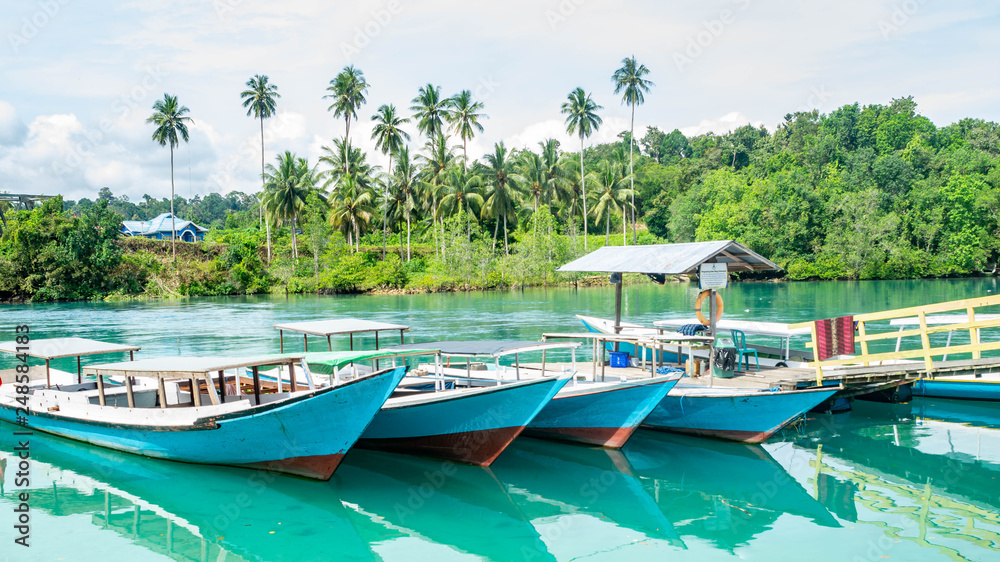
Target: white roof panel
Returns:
[671, 259]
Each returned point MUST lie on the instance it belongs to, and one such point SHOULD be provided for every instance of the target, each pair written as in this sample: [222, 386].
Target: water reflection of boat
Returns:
[549, 480]
[462, 507]
[188, 512]
[724, 492]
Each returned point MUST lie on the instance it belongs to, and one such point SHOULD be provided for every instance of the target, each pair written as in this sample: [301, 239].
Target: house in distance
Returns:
[159, 229]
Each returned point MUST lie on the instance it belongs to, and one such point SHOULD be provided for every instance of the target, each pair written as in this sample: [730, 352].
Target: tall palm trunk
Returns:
[506, 249]
[624, 232]
[632, 179]
[583, 194]
[407, 236]
[261, 220]
[607, 228]
[173, 227]
[385, 210]
[295, 244]
[267, 226]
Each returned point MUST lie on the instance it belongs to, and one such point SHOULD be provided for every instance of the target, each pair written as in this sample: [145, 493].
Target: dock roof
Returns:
[54, 348]
[338, 326]
[671, 259]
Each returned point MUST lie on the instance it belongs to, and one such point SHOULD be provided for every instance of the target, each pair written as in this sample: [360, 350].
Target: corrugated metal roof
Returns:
[339, 326]
[161, 223]
[671, 259]
[54, 348]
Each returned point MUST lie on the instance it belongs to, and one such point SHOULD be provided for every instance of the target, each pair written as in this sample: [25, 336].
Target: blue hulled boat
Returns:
[305, 433]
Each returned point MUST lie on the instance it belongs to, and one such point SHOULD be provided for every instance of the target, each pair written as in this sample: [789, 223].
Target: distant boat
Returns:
[601, 413]
[305, 433]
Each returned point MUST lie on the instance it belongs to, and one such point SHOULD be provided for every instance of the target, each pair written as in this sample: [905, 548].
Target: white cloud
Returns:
[719, 125]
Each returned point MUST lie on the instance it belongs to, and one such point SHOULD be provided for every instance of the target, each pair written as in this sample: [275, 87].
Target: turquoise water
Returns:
[917, 481]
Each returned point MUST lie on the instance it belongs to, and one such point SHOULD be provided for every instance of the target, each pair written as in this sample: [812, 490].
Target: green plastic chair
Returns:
[740, 340]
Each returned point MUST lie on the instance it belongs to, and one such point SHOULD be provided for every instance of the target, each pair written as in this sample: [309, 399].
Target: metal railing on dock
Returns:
[924, 330]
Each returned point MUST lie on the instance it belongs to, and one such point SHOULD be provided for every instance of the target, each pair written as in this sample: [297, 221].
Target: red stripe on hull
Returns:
[319, 467]
[611, 437]
[473, 447]
[727, 434]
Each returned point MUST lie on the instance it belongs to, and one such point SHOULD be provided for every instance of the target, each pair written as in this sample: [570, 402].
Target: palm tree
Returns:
[351, 208]
[464, 118]
[171, 121]
[629, 78]
[259, 99]
[436, 162]
[347, 91]
[461, 194]
[285, 191]
[582, 120]
[555, 181]
[502, 197]
[531, 175]
[430, 110]
[343, 157]
[388, 135]
[406, 184]
[611, 196]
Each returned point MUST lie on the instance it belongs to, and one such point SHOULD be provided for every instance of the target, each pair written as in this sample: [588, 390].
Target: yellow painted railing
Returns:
[926, 352]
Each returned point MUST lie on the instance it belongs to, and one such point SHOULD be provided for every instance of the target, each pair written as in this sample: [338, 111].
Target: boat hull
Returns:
[968, 389]
[306, 435]
[748, 417]
[472, 426]
[605, 416]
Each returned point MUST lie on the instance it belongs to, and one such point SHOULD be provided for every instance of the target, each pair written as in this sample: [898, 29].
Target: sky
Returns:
[78, 79]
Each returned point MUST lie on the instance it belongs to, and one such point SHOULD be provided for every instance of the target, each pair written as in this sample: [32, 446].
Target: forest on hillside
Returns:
[864, 192]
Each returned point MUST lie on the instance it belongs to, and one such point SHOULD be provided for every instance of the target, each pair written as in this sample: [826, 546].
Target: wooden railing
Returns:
[926, 352]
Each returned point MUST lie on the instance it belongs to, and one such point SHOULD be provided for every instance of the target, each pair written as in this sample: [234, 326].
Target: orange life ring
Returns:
[718, 307]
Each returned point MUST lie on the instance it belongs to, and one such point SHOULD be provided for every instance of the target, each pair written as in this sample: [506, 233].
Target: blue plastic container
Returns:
[619, 359]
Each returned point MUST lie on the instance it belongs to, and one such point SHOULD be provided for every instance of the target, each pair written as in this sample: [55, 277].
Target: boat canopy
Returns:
[750, 327]
[186, 367]
[339, 326]
[671, 259]
[338, 359]
[491, 348]
[55, 348]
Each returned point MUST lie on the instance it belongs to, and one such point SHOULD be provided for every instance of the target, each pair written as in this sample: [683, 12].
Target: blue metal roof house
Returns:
[159, 229]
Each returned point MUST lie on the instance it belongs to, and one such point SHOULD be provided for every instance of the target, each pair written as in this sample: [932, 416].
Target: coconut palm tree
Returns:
[611, 194]
[388, 135]
[259, 99]
[502, 196]
[406, 182]
[629, 79]
[555, 179]
[351, 209]
[171, 122]
[530, 175]
[438, 159]
[430, 110]
[343, 157]
[582, 120]
[285, 191]
[347, 91]
[461, 194]
[464, 119]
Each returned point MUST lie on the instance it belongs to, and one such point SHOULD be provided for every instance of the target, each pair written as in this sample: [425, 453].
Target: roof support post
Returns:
[618, 306]
[100, 390]
[256, 384]
[79, 371]
[48, 376]
[711, 331]
[129, 393]
[161, 391]
[222, 386]
[291, 377]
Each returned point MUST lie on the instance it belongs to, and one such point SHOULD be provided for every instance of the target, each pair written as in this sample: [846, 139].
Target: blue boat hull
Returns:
[961, 389]
[745, 417]
[470, 426]
[605, 417]
[305, 435]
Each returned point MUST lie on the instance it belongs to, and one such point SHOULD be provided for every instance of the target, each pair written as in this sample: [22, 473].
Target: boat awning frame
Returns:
[57, 348]
[494, 348]
[339, 326]
[186, 367]
[671, 259]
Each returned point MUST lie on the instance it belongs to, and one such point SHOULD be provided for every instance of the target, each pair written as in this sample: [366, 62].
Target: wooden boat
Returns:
[453, 418]
[745, 415]
[305, 433]
[602, 413]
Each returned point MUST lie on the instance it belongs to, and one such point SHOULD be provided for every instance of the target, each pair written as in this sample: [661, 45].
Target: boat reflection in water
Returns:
[924, 484]
[726, 493]
[180, 511]
[581, 499]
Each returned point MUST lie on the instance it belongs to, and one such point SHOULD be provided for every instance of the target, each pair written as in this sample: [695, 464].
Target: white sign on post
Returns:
[713, 276]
